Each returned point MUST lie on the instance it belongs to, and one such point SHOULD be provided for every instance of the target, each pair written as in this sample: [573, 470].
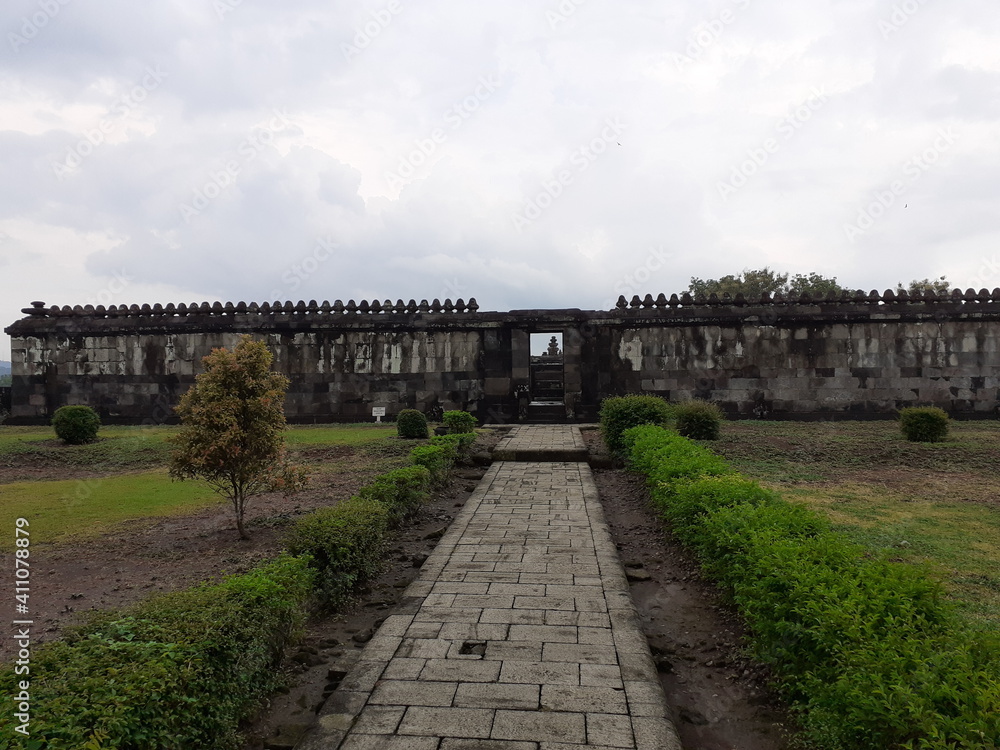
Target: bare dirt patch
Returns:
[719, 698]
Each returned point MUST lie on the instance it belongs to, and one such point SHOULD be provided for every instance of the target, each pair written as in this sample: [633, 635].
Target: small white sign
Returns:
[378, 412]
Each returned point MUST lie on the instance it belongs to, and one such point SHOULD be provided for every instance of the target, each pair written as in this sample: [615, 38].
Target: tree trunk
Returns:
[239, 505]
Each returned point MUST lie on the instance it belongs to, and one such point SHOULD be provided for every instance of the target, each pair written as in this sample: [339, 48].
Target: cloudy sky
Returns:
[531, 153]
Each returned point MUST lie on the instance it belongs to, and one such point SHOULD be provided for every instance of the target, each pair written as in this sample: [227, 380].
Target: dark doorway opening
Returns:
[547, 382]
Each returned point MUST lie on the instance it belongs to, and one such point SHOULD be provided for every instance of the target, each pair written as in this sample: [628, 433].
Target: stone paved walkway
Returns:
[542, 443]
[519, 634]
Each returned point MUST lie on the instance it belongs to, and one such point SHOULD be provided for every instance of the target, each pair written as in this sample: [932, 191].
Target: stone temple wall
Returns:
[850, 356]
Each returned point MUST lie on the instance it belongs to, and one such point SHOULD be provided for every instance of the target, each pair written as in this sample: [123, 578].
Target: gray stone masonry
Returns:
[519, 633]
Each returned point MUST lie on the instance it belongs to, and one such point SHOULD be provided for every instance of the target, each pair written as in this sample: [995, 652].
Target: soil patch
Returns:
[719, 699]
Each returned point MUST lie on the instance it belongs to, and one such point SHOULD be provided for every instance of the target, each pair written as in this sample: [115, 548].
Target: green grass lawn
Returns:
[135, 483]
[74, 508]
[932, 504]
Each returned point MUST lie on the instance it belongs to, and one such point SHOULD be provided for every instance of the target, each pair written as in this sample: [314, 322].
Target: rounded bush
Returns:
[411, 424]
[619, 413]
[76, 424]
[924, 424]
[698, 420]
[459, 421]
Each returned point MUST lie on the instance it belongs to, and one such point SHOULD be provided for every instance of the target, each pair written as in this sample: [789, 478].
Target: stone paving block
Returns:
[446, 722]
[601, 675]
[377, 742]
[541, 726]
[479, 695]
[570, 698]
[460, 631]
[540, 673]
[579, 653]
[655, 734]
[450, 744]
[609, 730]
[413, 693]
[514, 616]
[403, 669]
[543, 633]
[423, 648]
[379, 720]
[513, 651]
[452, 670]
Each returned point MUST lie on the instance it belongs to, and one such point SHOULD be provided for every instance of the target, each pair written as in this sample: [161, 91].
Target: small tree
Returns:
[233, 424]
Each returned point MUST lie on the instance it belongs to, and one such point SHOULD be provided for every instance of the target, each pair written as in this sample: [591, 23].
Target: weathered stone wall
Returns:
[850, 356]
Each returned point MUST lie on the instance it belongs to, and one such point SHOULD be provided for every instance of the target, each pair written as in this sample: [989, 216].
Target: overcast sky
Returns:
[531, 154]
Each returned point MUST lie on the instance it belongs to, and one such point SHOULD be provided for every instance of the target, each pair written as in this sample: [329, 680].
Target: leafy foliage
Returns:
[867, 649]
[619, 413]
[76, 425]
[437, 459]
[401, 491]
[698, 420]
[344, 543]
[177, 671]
[459, 421]
[753, 283]
[924, 424]
[938, 286]
[411, 424]
[233, 422]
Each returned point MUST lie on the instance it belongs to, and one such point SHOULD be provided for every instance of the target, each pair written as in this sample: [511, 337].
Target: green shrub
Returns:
[457, 446]
[179, 670]
[619, 413]
[698, 420]
[344, 544]
[76, 424]
[437, 459]
[459, 421]
[411, 424]
[924, 424]
[401, 491]
[868, 650]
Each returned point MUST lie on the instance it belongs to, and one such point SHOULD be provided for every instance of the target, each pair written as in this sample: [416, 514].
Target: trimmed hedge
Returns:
[411, 424]
[179, 670]
[401, 491]
[345, 544]
[76, 425]
[619, 413]
[698, 420]
[867, 650]
[459, 421]
[923, 424]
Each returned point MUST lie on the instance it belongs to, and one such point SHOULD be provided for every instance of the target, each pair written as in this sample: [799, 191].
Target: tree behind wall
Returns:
[755, 282]
[233, 424]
